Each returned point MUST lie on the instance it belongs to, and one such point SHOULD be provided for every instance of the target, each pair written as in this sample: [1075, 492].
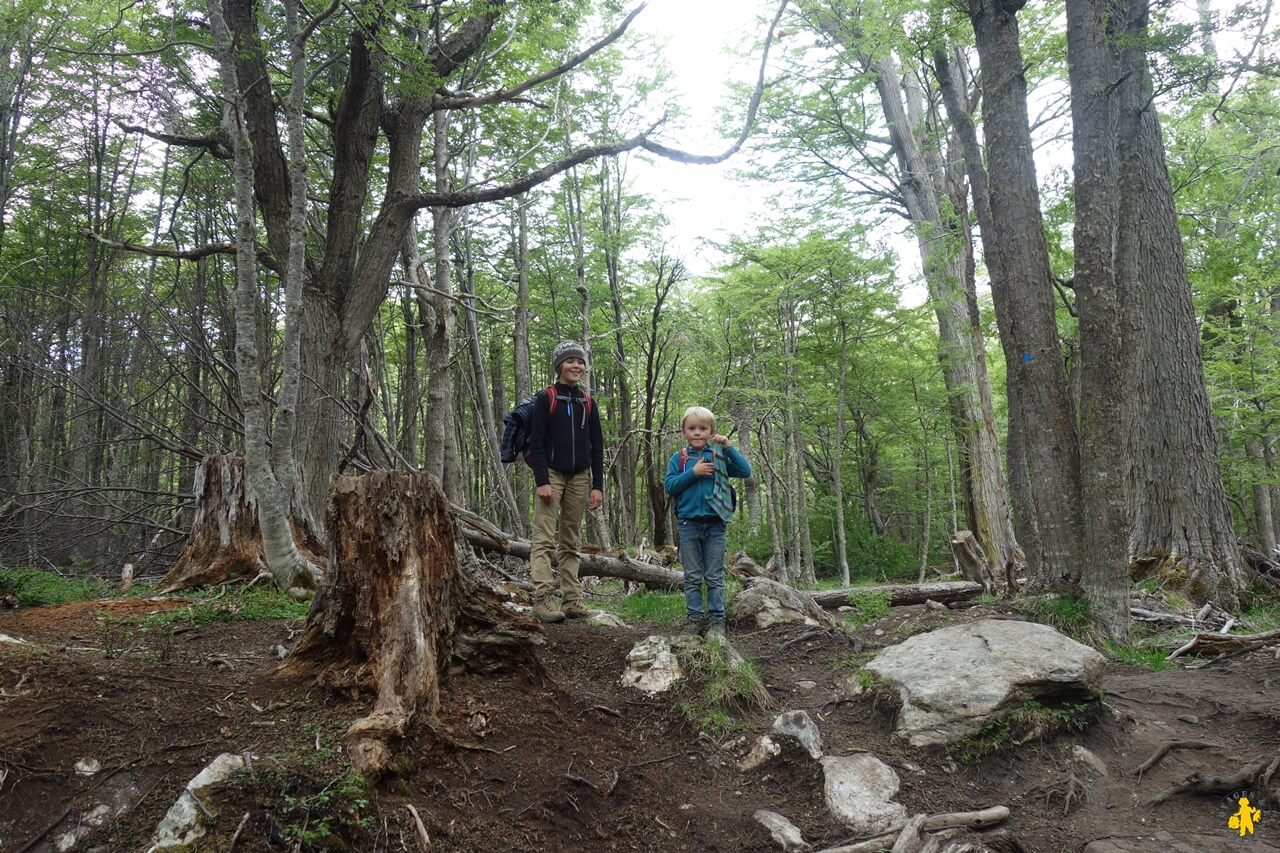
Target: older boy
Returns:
[698, 479]
[566, 452]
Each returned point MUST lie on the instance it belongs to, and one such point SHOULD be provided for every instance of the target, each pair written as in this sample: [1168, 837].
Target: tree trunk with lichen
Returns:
[399, 606]
[226, 540]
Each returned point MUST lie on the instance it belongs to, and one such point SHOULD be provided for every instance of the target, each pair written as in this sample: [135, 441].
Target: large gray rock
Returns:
[859, 790]
[955, 680]
[783, 831]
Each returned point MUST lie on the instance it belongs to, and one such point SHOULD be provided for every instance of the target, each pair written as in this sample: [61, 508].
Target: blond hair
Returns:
[699, 415]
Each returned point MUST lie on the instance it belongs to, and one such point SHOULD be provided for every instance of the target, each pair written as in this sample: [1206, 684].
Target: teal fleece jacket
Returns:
[691, 491]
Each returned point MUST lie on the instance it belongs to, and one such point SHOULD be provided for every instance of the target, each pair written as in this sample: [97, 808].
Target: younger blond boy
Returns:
[698, 479]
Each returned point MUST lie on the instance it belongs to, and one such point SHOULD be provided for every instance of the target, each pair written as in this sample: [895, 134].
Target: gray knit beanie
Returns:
[566, 350]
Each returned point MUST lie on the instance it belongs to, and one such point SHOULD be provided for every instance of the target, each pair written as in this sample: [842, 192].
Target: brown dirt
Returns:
[569, 762]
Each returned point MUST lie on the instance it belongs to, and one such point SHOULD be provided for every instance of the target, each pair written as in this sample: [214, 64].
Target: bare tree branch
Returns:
[459, 102]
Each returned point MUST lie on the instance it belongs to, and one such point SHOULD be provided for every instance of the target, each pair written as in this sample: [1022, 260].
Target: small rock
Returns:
[783, 831]
[1086, 756]
[88, 766]
[281, 651]
[182, 825]
[764, 749]
[934, 605]
[298, 593]
[651, 666]
[806, 685]
[859, 791]
[66, 841]
[98, 815]
[606, 619]
[844, 608]
[879, 632]
[684, 807]
[799, 725]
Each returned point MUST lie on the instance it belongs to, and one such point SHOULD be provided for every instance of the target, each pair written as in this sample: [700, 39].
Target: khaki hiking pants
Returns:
[557, 525]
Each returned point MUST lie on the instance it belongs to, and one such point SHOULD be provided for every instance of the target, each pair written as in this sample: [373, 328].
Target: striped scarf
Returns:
[721, 499]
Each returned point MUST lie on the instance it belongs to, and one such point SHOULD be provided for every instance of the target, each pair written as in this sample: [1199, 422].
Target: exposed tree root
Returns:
[1256, 776]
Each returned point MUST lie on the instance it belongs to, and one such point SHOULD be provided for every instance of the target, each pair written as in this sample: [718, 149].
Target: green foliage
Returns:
[321, 802]
[1030, 722]
[37, 587]
[1139, 652]
[1263, 617]
[868, 606]
[662, 608]
[1066, 613]
[718, 684]
[257, 602]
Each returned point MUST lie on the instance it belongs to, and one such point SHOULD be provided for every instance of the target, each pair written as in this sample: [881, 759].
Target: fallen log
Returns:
[903, 593]
[1221, 644]
[980, 819]
[599, 565]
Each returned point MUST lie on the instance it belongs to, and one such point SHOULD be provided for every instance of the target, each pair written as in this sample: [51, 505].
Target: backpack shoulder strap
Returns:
[552, 399]
[684, 458]
[586, 396]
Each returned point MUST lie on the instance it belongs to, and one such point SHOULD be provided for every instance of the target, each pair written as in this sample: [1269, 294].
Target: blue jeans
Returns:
[702, 556]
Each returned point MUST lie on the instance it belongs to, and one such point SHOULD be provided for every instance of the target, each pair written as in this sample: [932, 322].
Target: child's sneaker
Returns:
[691, 629]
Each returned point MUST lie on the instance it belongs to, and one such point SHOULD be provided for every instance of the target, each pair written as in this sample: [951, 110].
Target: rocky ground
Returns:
[105, 717]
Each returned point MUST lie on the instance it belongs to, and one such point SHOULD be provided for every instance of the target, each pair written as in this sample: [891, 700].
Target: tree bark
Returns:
[226, 539]
[1093, 69]
[971, 560]
[943, 257]
[1178, 508]
[1041, 419]
[398, 607]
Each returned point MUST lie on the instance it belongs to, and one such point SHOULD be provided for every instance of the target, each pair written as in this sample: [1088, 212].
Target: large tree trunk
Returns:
[945, 273]
[1180, 520]
[226, 539]
[397, 608]
[1041, 419]
[1093, 70]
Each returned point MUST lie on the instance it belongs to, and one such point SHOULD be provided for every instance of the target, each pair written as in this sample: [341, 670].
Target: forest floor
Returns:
[568, 759]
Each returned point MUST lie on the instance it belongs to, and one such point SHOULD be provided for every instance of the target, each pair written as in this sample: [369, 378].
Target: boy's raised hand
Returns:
[704, 469]
[721, 439]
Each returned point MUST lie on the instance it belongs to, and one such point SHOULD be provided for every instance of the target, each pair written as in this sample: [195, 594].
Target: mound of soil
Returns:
[572, 760]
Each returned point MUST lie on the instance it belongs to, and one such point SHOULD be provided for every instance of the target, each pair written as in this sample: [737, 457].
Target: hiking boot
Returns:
[546, 611]
[575, 610]
[715, 631]
[691, 629]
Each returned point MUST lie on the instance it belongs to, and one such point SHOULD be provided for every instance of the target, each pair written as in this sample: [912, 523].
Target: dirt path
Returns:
[571, 761]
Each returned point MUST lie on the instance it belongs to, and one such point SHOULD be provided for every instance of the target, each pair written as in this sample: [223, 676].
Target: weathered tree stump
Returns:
[397, 608]
[225, 540]
[972, 562]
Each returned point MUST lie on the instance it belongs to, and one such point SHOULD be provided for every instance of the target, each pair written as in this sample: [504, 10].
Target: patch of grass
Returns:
[257, 602]
[718, 684]
[664, 608]
[852, 660]
[1263, 617]
[867, 606]
[1143, 649]
[1064, 612]
[37, 587]
[1030, 722]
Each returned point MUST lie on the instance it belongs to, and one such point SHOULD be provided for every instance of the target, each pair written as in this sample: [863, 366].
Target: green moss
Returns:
[37, 587]
[1030, 722]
